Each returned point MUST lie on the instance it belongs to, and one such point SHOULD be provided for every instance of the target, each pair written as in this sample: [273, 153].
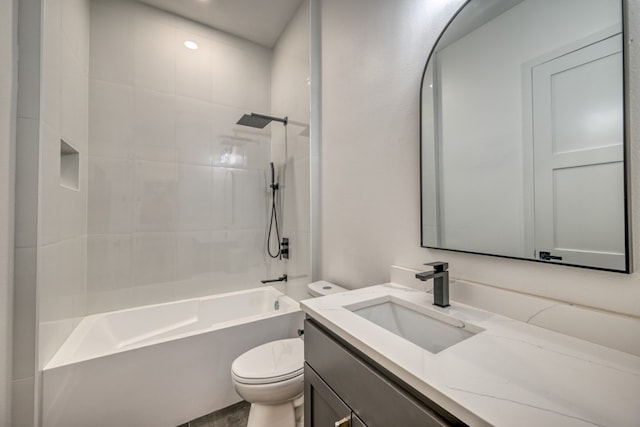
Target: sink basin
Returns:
[426, 328]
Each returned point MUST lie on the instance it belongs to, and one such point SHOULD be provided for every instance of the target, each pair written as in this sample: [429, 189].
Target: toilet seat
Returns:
[269, 363]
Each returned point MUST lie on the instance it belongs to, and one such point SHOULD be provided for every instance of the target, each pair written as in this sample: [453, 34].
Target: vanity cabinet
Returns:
[343, 389]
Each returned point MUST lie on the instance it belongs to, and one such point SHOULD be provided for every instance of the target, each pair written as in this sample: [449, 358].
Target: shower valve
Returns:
[284, 248]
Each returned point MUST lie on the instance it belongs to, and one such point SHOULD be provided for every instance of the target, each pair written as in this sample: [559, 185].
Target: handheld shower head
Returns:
[273, 175]
[259, 121]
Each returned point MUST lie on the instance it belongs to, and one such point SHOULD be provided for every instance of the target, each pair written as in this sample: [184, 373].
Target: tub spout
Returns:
[282, 278]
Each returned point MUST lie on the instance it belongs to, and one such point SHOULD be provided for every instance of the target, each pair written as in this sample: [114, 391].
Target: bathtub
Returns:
[163, 364]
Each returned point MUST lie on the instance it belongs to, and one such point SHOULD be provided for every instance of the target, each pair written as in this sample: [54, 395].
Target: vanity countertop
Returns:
[510, 374]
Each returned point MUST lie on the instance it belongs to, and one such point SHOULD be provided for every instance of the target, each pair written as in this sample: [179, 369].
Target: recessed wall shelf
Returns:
[69, 166]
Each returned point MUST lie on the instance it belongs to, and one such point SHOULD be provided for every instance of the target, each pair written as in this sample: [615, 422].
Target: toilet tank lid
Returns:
[322, 288]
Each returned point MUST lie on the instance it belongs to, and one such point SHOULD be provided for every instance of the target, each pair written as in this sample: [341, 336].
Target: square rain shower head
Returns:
[254, 121]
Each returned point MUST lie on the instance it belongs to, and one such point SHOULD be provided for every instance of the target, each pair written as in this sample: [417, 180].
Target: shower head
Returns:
[255, 120]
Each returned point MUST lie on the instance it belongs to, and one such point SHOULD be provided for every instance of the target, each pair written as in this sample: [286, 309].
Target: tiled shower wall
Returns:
[62, 231]
[177, 191]
[50, 228]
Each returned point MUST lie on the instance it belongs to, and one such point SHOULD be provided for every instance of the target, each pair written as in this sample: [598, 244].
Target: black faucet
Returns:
[282, 278]
[440, 277]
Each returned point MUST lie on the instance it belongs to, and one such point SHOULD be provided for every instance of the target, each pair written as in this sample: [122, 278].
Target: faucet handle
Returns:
[439, 266]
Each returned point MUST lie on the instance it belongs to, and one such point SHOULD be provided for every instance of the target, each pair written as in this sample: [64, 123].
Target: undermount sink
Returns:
[426, 328]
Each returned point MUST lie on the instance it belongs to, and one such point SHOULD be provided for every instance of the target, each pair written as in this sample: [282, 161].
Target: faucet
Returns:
[440, 277]
[282, 278]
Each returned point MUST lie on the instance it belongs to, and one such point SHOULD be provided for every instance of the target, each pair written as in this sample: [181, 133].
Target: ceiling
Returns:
[261, 21]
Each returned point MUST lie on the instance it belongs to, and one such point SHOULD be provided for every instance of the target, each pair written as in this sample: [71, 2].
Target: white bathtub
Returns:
[160, 365]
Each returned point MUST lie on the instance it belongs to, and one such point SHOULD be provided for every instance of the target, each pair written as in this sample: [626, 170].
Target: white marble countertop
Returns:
[511, 374]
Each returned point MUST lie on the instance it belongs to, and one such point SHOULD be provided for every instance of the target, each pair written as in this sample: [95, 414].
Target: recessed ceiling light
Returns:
[191, 45]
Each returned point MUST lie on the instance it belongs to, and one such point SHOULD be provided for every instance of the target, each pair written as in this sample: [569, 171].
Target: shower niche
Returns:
[69, 166]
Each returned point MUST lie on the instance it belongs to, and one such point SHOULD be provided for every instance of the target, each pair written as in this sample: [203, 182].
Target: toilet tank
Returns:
[322, 288]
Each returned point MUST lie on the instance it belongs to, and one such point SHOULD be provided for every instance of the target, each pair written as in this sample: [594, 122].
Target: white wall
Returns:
[177, 190]
[8, 76]
[374, 52]
[290, 97]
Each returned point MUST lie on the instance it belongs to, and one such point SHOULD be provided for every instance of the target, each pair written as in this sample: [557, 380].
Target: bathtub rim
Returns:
[64, 356]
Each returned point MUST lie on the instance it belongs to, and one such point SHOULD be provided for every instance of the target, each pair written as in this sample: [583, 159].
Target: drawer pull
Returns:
[345, 422]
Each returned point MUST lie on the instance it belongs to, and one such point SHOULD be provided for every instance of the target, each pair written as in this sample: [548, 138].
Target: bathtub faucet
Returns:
[282, 278]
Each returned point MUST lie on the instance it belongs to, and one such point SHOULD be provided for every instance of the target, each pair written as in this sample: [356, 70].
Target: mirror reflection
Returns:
[522, 133]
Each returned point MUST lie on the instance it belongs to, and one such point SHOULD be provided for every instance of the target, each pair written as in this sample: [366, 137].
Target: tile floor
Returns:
[231, 416]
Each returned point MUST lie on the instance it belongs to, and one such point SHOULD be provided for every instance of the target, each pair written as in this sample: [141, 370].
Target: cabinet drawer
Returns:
[373, 397]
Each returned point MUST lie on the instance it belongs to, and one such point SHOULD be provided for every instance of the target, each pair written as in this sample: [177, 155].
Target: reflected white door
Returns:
[578, 140]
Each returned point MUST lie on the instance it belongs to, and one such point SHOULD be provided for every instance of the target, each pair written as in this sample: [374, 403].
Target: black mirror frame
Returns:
[626, 152]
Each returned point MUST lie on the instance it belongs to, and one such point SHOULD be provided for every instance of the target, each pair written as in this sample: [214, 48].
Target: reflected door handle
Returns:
[345, 422]
[548, 257]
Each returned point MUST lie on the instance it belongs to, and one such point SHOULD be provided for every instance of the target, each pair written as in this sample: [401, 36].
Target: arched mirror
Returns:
[523, 133]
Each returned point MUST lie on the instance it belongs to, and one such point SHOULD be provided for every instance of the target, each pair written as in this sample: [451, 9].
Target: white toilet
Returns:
[270, 376]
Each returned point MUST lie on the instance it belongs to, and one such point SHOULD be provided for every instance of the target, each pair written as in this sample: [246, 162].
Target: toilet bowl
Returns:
[270, 376]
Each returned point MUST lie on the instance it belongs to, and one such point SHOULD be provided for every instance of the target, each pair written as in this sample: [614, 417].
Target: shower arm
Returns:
[284, 120]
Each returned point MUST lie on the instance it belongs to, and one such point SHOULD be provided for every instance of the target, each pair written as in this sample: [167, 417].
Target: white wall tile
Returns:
[193, 67]
[226, 60]
[108, 271]
[246, 254]
[29, 64]
[254, 80]
[194, 130]
[111, 119]
[154, 258]
[298, 264]
[22, 410]
[24, 299]
[154, 54]
[74, 100]
[49, 185]
[26, 194]
[195, 199]
[248, 199]
[58, 287]
[297, 198]
[156, 196]
[111, 196]
[222, 209]
[75, 29]
[51, 64]
[111, 55]
[72, 206]
[154, 126]
[193, 257]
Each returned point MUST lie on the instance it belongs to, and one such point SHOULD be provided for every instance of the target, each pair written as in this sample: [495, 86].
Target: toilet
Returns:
[271, 376]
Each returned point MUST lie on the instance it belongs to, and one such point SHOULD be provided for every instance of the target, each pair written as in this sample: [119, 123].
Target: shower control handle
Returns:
[284, 248]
